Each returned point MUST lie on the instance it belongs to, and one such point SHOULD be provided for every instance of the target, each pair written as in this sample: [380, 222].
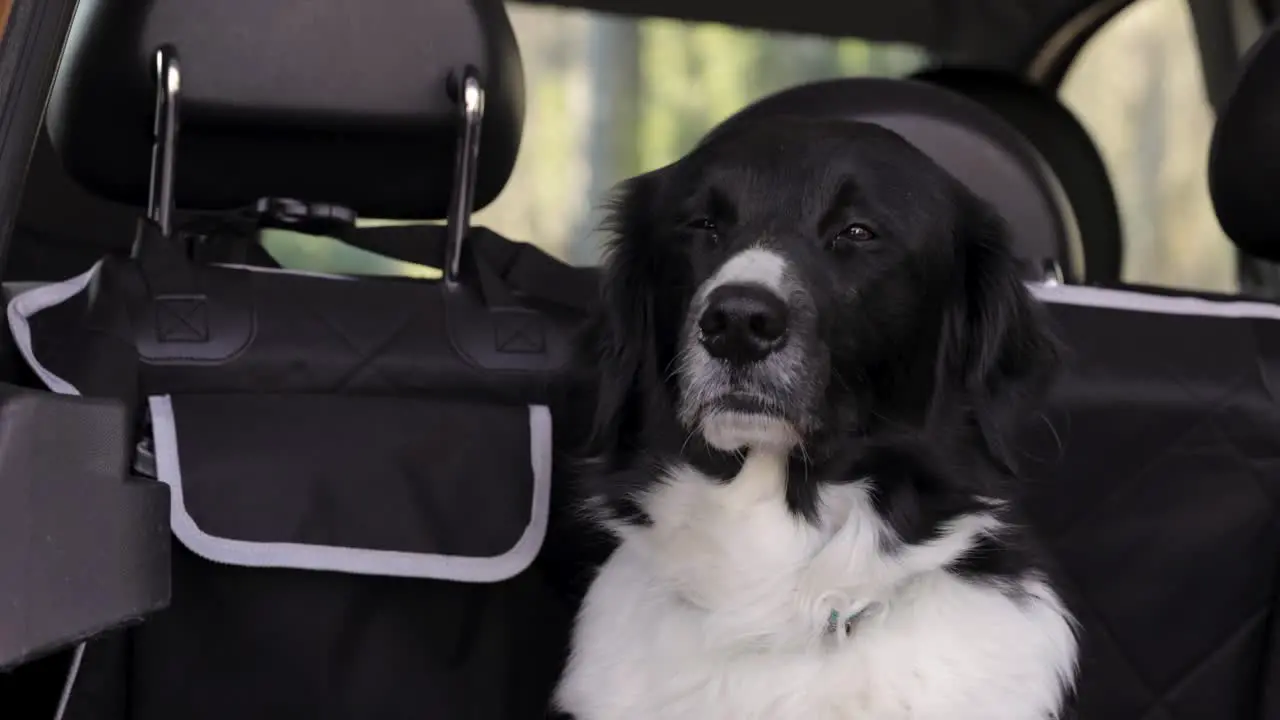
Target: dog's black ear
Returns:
[998, 351]
[619, 336]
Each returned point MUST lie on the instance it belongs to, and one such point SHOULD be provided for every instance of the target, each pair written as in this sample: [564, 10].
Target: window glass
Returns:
[609, 97]
[1137, 86]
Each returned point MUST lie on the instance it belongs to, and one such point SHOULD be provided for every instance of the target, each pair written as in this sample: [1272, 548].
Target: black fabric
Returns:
[248, 644]
[526, 268]
[62, 229]
[1244, 158]
[269, 109]
[404, 474]
[35, 686]
[345, 413]
[1159, 500]
[1065, 145]
[249, 331]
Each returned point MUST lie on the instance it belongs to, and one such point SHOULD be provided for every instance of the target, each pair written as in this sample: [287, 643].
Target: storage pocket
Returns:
[351, 557]
[375, 486]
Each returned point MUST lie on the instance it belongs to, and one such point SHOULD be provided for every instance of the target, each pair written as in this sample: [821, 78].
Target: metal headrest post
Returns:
[469, 95]
[164, 141]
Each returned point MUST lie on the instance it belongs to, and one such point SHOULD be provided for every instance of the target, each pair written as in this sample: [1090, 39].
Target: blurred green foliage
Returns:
[609, 97]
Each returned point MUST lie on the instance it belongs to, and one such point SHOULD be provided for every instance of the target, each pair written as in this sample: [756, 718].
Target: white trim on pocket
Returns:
[357, 561]
[32, 301]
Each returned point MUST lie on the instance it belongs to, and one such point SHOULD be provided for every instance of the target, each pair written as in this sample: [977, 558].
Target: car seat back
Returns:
[361, 469]
[1065, 144]
[1243, 167]
[1159, 495]
[290, 99]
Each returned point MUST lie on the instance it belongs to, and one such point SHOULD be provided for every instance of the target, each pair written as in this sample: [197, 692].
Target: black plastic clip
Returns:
[311, 218]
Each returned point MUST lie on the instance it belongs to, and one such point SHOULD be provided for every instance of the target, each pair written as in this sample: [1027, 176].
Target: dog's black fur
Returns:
[924, 342]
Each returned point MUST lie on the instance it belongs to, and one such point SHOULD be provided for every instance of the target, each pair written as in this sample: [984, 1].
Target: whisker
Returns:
[680, 359]
[688, 437]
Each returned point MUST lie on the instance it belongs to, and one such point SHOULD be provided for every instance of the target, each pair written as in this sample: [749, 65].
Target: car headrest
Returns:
[1244, 155]
[346, 103]
[1065, 144]
[972, 143]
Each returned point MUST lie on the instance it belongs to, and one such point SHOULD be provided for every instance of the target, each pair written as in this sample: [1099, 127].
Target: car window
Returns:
[1137, 86]
[609, 97]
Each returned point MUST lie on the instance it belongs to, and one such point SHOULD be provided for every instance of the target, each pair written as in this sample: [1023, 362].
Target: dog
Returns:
[812, 345]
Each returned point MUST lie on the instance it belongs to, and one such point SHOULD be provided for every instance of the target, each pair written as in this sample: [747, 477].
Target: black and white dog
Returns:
[812, 343]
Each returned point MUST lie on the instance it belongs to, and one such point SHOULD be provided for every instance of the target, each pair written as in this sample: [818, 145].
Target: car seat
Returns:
[1161, 492]
[359, 470]
[1241, 170]
[1244, 168]
[62, 229]
[1065, 145]
[1155, 501]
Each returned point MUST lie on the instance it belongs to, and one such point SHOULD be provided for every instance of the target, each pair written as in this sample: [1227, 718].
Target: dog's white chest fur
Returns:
[722, 610]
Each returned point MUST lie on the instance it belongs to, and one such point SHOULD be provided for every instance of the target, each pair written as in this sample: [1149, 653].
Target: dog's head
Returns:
[793, 282]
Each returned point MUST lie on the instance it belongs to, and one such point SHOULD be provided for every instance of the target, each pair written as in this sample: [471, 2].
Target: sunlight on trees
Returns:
[1137, 87]
[674, 81]
[609, 97]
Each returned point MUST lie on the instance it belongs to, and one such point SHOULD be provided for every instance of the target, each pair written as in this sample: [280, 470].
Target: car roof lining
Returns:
[994, 31]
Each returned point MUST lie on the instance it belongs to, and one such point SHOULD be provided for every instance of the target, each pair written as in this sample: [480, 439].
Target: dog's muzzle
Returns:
[742, 367]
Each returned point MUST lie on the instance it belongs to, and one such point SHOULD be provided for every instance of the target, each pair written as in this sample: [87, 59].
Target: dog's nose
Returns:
[743, 323]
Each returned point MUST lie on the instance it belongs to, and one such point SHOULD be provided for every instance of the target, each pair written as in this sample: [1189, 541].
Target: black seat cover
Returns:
[289, 98]
[1244, 157]
[971, 142]
[61, 229]
[1159, 486]
[1064, 144]
[361, 469]
[1155, 492]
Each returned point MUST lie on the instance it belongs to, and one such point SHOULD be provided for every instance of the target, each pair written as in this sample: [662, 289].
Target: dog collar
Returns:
[845, 615]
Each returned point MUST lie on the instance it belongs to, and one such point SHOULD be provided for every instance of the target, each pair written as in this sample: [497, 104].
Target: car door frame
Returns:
[30, 48]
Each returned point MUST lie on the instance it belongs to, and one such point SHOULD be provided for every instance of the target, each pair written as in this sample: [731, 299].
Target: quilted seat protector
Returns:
[1157, 500]
[359, 505]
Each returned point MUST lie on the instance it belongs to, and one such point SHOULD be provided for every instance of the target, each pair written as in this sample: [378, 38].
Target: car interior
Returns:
[234, 488]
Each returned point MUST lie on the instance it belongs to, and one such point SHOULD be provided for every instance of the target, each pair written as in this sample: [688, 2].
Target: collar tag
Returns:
[842, 621]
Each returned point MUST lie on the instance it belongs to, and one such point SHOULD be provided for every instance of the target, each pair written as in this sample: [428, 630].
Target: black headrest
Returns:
[969, 141]
[347, 103]
[1065, 145]
[1244, 156]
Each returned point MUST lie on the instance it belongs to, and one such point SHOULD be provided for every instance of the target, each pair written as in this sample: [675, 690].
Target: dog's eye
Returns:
[704, 225]
[851, 236]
